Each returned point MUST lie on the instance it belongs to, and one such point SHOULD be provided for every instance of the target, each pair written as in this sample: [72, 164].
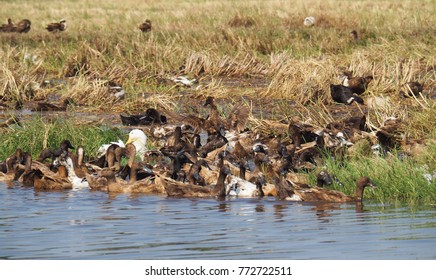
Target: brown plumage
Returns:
[57, 26]
[237, 119]
[145, 26]
[355, 36]
[214, 119]
[179, 189]
[194, 176]
[45, 106]
[389, 135]
[317, 194]
[411, 89]
[8, 167]
[41, 177]
[357, 85]
[8, 27]
[22, 26]
[301, 133]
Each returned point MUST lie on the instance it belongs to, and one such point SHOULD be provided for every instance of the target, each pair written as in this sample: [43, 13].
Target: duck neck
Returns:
[132, 175]
[220, 188]
[70, 168]
[80, 154]
[358, 196]
[242, 170]
[10, 166]
[62, 171]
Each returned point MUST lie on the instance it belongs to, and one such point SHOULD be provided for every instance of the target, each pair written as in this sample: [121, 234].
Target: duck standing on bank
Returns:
[57, 26]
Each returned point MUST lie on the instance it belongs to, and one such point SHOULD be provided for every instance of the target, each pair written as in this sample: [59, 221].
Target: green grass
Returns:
[399, 180]
[41, 133]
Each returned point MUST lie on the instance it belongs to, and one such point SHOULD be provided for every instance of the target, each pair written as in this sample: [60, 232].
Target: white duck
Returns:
[76, 182]
[137, 137]
[242, 188]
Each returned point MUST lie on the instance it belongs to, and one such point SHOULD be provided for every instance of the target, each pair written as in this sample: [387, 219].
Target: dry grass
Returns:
[218, 42]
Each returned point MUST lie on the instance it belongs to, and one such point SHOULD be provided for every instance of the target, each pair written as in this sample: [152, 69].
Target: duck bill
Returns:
[130, 140]
[373, 185]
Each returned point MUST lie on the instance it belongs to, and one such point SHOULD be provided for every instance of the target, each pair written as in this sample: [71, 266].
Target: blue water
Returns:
[98, 225]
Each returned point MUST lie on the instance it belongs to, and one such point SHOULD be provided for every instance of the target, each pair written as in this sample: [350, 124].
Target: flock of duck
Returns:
[200, 157]
[23, 26]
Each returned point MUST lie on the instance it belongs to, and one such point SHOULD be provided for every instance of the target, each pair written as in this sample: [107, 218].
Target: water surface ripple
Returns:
[97, 225]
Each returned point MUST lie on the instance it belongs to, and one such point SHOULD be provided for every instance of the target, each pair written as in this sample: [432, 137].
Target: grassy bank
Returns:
[41, 133]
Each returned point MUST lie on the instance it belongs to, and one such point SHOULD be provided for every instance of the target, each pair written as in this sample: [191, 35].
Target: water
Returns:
[97, 225]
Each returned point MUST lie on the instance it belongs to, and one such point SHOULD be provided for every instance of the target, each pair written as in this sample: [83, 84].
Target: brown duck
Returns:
[8, 27]
[22, 26]
[57, 26]
[8, 167]
[318, 194]
[41, 177]
[179, 189]
[357, 85]
[145, 26]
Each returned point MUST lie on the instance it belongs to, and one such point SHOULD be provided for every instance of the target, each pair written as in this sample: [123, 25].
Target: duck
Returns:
[215, 142]
[194, 176]
[357, 85]
[389, 135]
[8, 27]
[63, 147]
[237, 118]
[100, 180]
[135, 170]
[309, 21]
[239, 187]
[57, 26]
[67, 162]
[319, 194]
[151, 116]
[107, 180]
[355, 36]
[187, 190]
[137, 137]
[45, 106]
[343, 94]
[41, 177]
[302, 133]
[8, 167]
[145, 26]
[184, 81]
[175, 143]
[80, 167]
[411, 89]
[23, 26]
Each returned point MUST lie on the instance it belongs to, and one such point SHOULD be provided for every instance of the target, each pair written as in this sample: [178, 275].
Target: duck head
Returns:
[138, 138]
[66, 144]
[323, 178]
[361, 184]
[209, 101]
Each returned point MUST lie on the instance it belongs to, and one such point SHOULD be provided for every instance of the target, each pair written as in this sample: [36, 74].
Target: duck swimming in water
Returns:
[137, 137]
[179, 189]
[318, 194]
[77, 183]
